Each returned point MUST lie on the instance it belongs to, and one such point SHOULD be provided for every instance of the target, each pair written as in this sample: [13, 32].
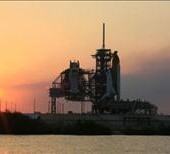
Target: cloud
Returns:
[26, 93]
[152, 81]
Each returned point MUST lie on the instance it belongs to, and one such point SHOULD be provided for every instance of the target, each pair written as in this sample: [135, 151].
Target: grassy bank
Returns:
[17, 123]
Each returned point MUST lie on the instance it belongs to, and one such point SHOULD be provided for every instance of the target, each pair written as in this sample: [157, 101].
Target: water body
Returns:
[60, 144]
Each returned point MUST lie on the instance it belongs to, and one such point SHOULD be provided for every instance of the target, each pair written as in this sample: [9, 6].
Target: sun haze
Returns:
[38, 39]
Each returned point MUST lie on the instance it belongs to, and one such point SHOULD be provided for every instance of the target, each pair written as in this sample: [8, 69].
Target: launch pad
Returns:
[100, 86]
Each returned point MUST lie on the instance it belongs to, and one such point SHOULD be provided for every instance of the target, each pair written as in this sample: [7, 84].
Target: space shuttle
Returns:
[116, 75]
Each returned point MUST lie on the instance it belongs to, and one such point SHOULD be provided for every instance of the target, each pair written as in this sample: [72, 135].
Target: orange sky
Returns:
[37, 40]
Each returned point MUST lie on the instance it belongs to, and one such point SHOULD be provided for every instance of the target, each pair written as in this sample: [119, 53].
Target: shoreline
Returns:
[20, 124]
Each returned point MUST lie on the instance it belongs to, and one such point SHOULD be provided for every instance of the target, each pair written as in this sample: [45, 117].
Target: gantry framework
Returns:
[100, 86]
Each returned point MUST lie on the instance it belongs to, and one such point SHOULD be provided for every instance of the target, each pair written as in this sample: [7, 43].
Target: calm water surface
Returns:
[59, 144]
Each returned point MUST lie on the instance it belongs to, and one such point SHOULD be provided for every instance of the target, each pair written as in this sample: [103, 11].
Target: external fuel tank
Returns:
[116, 74]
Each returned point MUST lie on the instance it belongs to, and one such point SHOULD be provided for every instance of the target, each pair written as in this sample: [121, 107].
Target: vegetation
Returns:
[83, 128]
[17, 123]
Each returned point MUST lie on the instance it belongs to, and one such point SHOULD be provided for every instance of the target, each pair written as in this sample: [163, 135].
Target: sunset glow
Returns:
[38, 39]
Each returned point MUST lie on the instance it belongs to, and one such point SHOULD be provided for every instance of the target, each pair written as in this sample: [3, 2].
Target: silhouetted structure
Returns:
[100, 86]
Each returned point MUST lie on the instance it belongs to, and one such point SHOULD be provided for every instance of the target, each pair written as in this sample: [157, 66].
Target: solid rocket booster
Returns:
[116, 74]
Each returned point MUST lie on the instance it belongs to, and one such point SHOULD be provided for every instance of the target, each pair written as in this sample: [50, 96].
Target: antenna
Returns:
[0, 105]
[34, 104]
[103, 35]
[6, 106]
[15, 108]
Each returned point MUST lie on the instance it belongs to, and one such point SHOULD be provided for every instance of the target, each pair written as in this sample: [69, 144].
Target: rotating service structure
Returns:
[101, 86]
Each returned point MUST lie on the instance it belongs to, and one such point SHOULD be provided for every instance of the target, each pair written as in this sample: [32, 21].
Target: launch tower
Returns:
[100, 86]
[106, 77]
